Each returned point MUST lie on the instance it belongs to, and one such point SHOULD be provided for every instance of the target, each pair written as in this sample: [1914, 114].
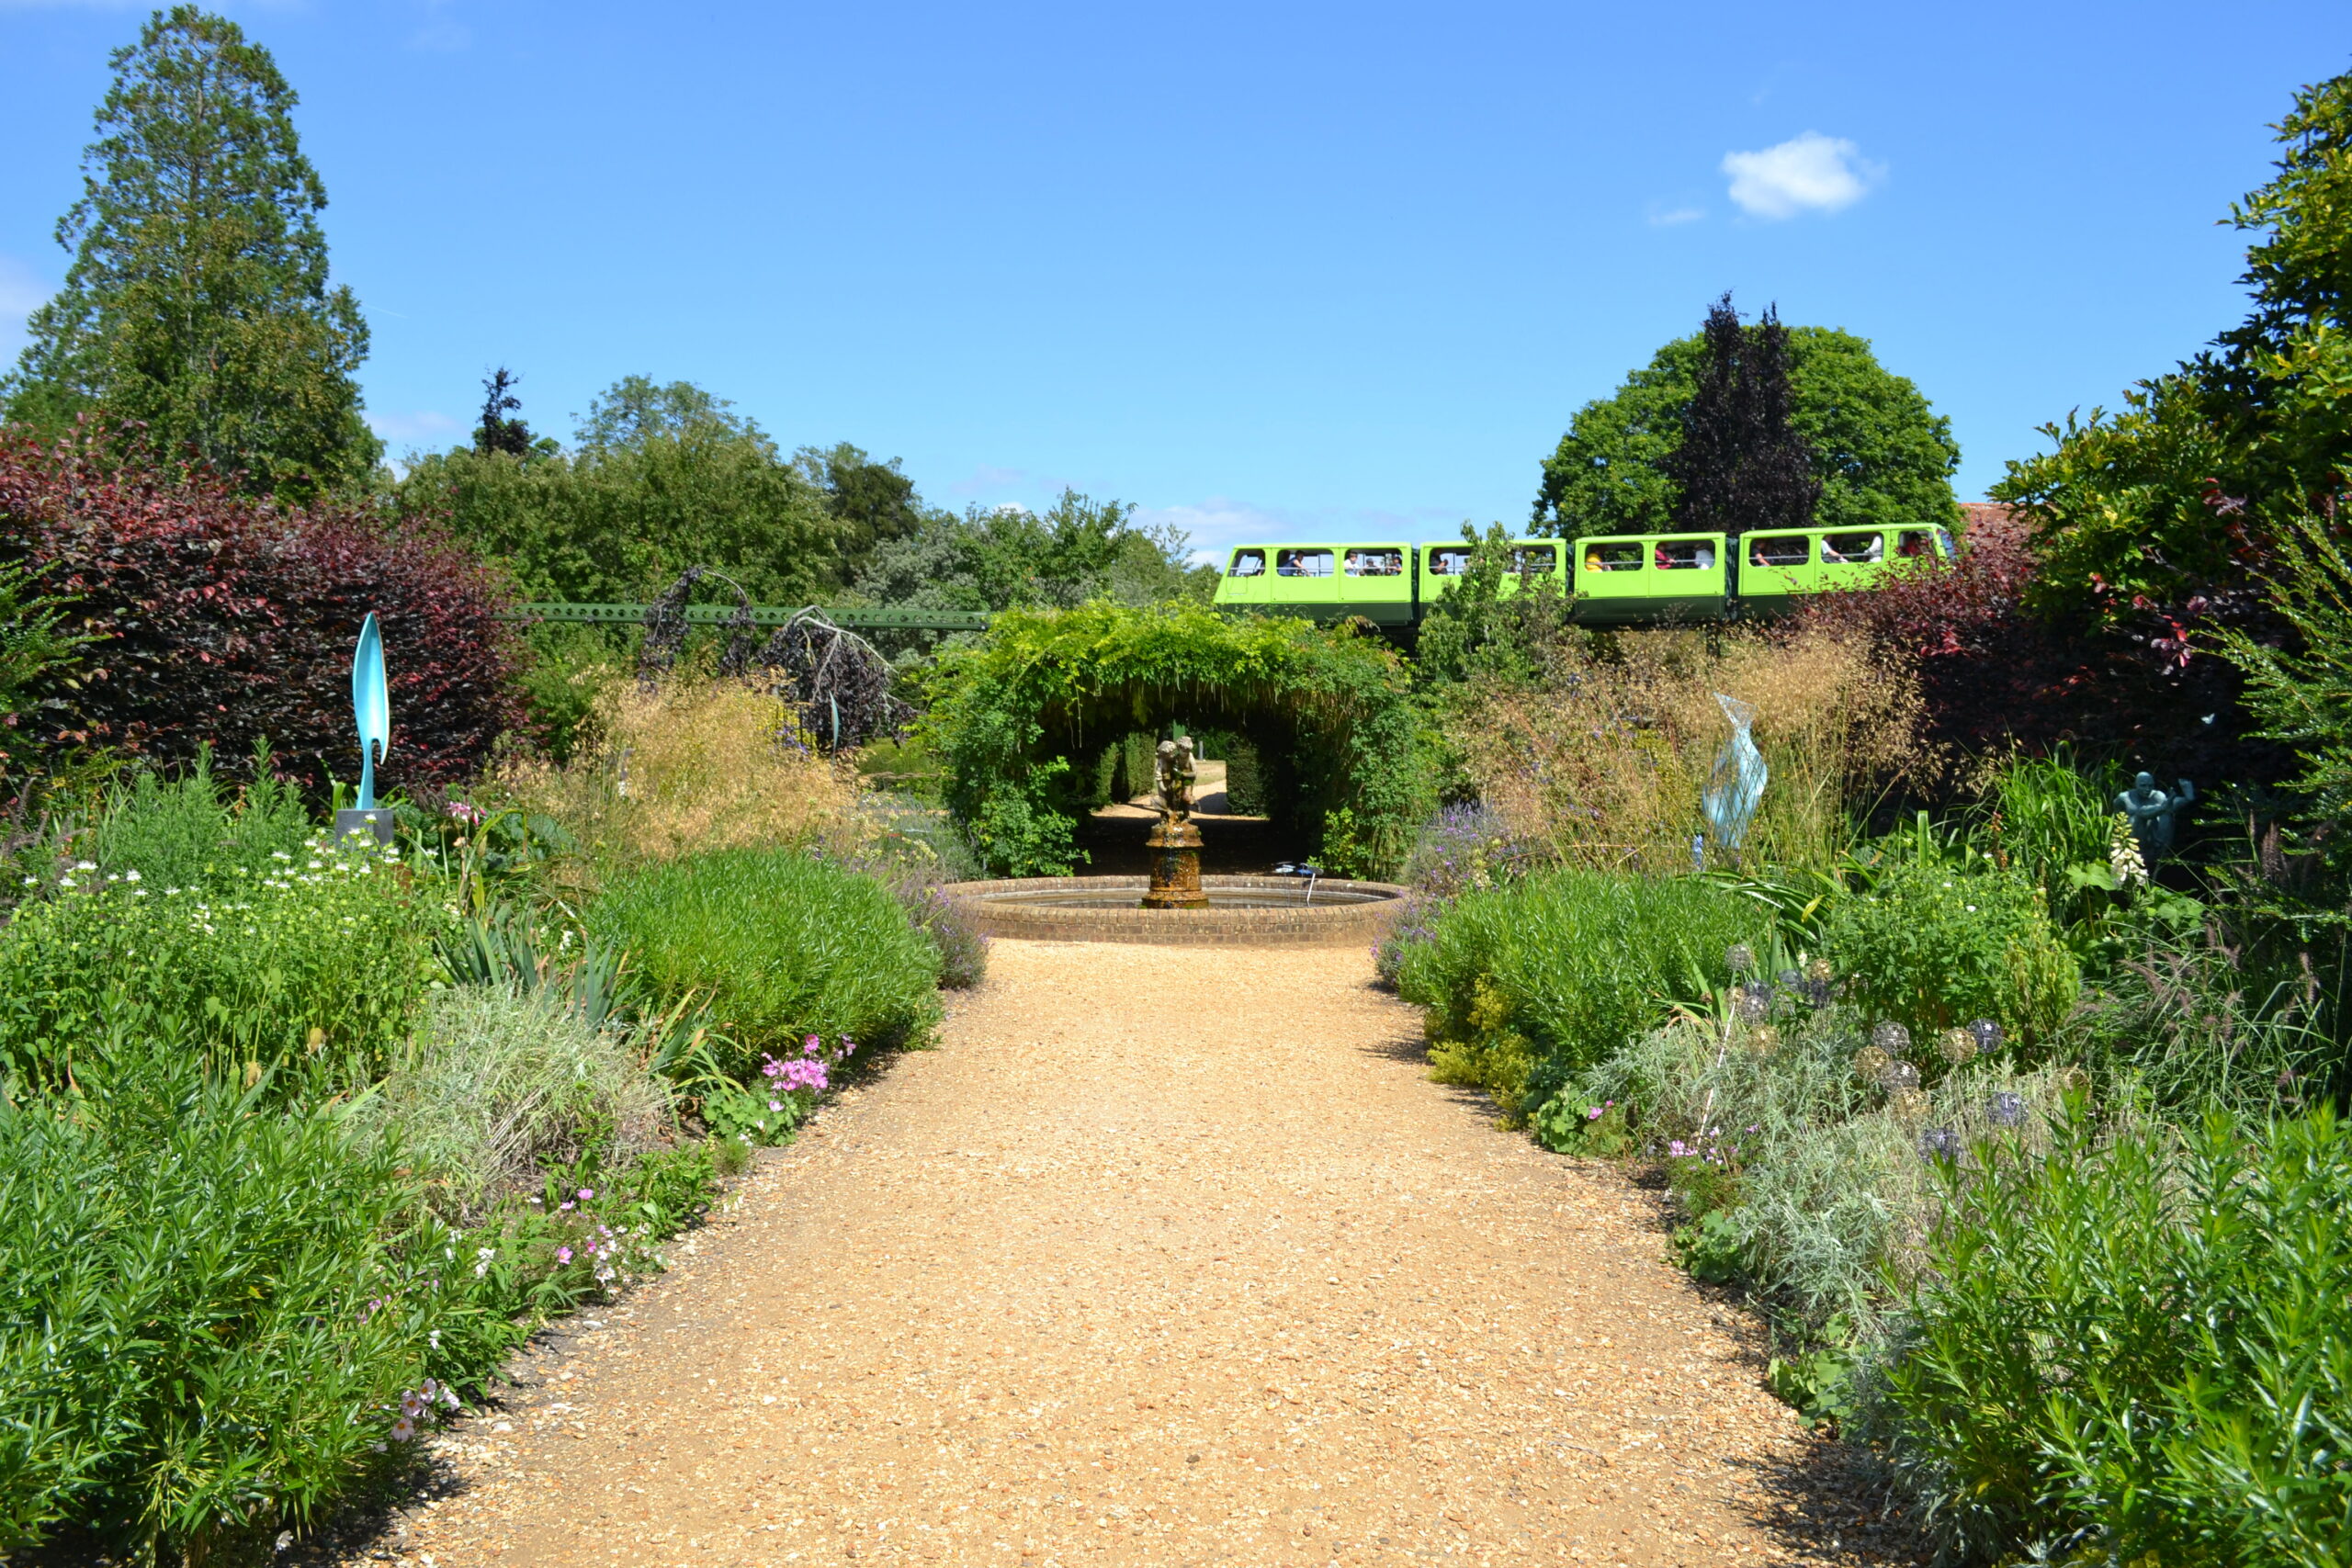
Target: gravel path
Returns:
[1162, 1257]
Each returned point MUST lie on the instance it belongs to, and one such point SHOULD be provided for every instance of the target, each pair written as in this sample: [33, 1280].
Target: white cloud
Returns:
[1668, 216]
[1218, 524]
[424, 425]
[985, 478]
[1812, 173]
[22, 291]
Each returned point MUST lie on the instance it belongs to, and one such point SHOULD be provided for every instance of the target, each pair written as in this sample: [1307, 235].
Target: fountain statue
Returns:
[1174, 840]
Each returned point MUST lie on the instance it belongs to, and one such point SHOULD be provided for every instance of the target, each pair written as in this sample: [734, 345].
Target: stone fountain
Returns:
[1175, 839]
[1179, 904]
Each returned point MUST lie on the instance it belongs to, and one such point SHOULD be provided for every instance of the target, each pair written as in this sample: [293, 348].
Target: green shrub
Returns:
[1932, 945]
[501, 1084]
[1527, 984]
[2134, 1348]
[320, 962]
[201, 1331]
[1245, 774]
[777, 945]
[190, 833]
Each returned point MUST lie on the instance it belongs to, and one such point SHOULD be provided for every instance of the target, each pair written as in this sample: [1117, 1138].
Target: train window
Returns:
[1780, 550]
[1535, 560]
[1685, 555]
[1302, 563]
[1951, 551]
[1916, 543]
[1449, 563]
[1248, 563]
[1852, 548]
[1612, 558]
[1375, 563]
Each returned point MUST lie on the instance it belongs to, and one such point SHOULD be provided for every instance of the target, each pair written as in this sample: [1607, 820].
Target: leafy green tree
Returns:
[663, 477]
[198, 298]
[1879, 451]
[2174, 504]
[1077, 550]
[875, 503]
[1479, 630]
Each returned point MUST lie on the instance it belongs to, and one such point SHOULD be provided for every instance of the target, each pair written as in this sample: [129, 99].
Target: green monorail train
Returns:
[1618, 579]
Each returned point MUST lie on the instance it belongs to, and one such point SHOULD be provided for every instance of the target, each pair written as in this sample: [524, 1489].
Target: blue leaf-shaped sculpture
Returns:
[371, 704]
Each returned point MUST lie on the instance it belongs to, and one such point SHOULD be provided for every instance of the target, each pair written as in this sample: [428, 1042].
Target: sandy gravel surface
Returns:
[1162, 1257]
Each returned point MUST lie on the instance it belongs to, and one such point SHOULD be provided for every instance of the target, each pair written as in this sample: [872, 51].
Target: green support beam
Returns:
[764, 615]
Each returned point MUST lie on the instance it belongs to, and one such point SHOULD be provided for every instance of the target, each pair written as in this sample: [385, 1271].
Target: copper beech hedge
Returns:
[1996, 674]
[223, 619]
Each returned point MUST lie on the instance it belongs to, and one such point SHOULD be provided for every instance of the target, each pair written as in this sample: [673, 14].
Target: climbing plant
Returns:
[1342, 746]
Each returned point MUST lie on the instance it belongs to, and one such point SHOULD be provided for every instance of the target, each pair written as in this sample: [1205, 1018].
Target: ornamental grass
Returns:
[1605, 757]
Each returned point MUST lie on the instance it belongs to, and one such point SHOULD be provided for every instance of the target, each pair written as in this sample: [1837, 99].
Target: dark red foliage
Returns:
[1996, 675]
[223, 619]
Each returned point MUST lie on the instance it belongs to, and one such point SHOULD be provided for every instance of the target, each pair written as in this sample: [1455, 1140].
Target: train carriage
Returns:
[1616, 579]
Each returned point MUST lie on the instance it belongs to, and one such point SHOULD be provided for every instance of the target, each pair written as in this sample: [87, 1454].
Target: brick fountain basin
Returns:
[1244, 911]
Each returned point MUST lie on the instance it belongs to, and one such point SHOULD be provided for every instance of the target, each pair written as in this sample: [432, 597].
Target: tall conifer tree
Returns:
[198, 298]
[1742, 463]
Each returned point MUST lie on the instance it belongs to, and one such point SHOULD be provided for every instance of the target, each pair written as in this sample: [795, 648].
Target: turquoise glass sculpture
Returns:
[371, 704]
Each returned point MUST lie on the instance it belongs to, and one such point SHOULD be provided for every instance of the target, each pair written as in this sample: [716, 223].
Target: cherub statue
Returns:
[1173, 779]
[2152, 811]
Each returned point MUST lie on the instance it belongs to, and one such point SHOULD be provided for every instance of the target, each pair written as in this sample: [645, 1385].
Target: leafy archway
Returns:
[1340, 738]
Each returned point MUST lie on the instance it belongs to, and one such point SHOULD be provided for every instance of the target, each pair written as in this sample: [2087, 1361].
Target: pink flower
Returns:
[809, 1047]
[587, 1193]
[563, 1255]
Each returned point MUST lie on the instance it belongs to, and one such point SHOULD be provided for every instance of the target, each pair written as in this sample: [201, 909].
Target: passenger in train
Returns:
[1685, 555]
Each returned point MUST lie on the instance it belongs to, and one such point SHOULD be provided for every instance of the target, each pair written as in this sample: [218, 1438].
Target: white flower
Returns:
[65, 882]
[32, 882]
[85, 865]
[131, 876]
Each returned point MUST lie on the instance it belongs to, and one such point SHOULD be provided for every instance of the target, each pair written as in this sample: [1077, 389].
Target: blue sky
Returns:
[1287, 268]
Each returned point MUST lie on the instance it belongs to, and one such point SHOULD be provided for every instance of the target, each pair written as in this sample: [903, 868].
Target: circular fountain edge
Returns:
[995, 907]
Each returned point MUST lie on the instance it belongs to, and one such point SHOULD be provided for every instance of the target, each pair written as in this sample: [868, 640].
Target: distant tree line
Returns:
[198, 327]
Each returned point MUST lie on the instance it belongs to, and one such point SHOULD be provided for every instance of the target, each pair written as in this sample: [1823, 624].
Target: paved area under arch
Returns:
[1160, 1258]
